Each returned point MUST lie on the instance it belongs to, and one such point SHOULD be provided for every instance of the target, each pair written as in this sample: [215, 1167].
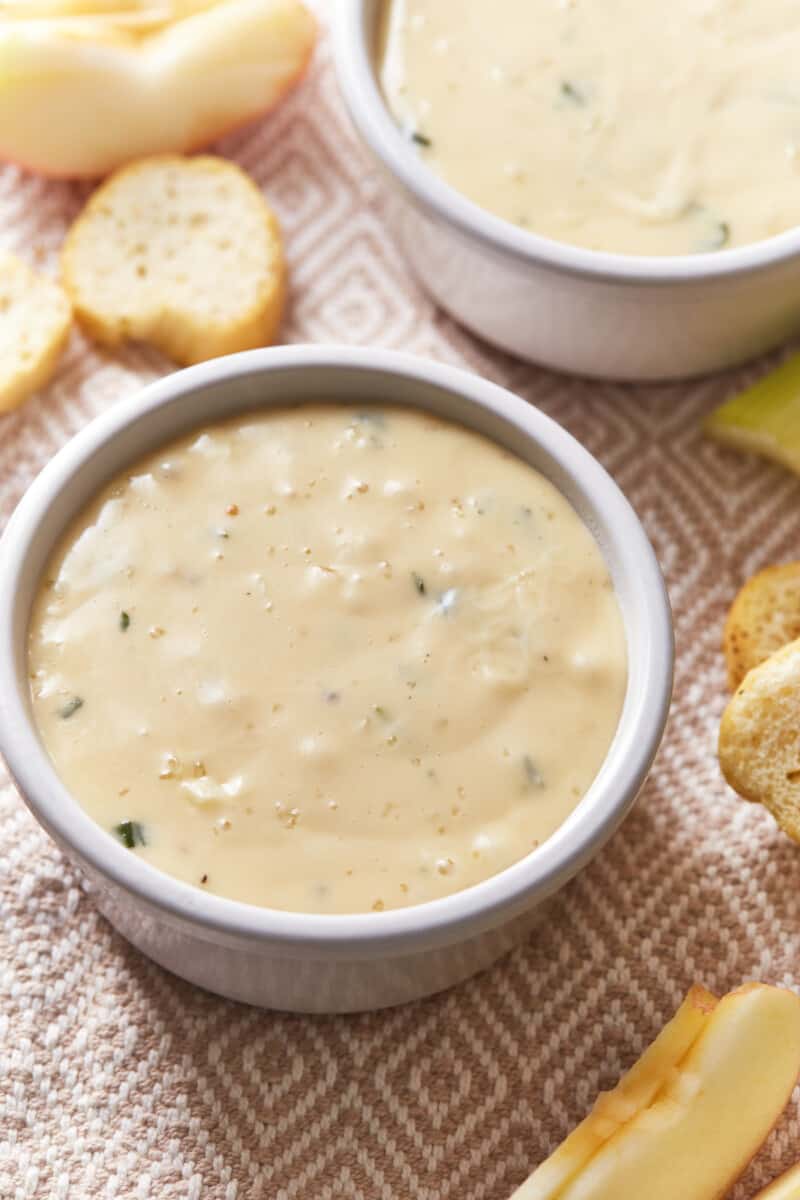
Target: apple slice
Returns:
[695, 1119]
[765, 418]
[84, 8]
[86, 89]
[92, 19]
[787, 1187]
[634, 1091]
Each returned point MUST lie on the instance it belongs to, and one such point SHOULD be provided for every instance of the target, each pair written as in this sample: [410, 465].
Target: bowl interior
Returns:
[261, 379]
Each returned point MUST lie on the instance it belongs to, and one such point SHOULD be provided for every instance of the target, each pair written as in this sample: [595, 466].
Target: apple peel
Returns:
[688, 1117]
[92, 86]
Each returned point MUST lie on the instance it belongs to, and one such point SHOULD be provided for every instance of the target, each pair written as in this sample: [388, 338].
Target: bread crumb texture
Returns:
[764, 616]
[759, 738]
[183, 253]
[35, 319]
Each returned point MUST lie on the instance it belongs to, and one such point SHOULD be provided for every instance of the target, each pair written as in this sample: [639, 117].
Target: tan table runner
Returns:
[117, 1079]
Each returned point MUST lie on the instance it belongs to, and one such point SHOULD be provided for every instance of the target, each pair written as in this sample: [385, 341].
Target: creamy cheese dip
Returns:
[327, 659]
[642, 127]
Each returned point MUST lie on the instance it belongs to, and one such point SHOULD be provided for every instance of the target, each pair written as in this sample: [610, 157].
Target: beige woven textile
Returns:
[117, 1079]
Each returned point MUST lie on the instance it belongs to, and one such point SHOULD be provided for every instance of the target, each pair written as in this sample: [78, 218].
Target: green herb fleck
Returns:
[380, 711]
[130, 833]
[124, 621]
[533, 775]
[421, 139]
[419, 583]
[70, 707]
[574, 94]
[720, 237]
[716, 233]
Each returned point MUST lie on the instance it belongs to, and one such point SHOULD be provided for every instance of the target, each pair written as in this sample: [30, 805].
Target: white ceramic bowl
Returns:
[295, 960]
[610, 315]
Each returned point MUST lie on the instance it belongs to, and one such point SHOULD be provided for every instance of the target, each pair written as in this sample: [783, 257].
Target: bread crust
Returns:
[759, 737]
[764, 616]
[35, 323]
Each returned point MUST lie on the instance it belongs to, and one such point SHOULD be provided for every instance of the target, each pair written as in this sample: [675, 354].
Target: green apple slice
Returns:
[765, 418]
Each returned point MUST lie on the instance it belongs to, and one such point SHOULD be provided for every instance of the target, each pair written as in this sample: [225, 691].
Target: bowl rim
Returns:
[437, 921]
[370, 115]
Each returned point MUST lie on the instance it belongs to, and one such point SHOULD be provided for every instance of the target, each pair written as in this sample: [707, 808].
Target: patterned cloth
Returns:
[117, 1079]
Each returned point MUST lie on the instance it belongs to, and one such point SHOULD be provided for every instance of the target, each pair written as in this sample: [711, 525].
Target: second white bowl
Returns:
[611, 315]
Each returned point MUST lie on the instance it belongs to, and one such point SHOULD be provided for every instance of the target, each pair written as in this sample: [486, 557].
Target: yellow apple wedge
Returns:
[85, 90]
[112, 26]
[698, 1118]
[102, 20]
[634, 1091]
[786, 1187]
[85, 8]
[129, 11]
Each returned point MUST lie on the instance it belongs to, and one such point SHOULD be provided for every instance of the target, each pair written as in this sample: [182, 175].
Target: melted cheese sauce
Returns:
[643, 128]
[329, 660]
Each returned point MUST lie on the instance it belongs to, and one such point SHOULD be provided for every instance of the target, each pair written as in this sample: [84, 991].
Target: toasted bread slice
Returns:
[759, 737]
[764, 616]
[35, 319]
[183, 253]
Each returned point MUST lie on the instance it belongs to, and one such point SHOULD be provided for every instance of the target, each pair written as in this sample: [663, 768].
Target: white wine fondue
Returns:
[328, 659]
[637, 126]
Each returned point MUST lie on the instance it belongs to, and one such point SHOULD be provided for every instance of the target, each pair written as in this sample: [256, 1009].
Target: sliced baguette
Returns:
[183, 253]
[764, 616]
[35, 319]
[759, 737]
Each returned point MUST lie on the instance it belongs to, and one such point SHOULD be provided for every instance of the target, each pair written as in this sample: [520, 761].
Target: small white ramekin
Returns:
[299, 961]
[609, 315]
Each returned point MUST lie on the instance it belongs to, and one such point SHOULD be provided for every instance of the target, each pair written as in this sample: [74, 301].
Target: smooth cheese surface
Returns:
[641, 128]
[329, 659]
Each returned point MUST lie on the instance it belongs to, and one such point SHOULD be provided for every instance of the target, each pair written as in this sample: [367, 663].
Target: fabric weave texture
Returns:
[118, 1080]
